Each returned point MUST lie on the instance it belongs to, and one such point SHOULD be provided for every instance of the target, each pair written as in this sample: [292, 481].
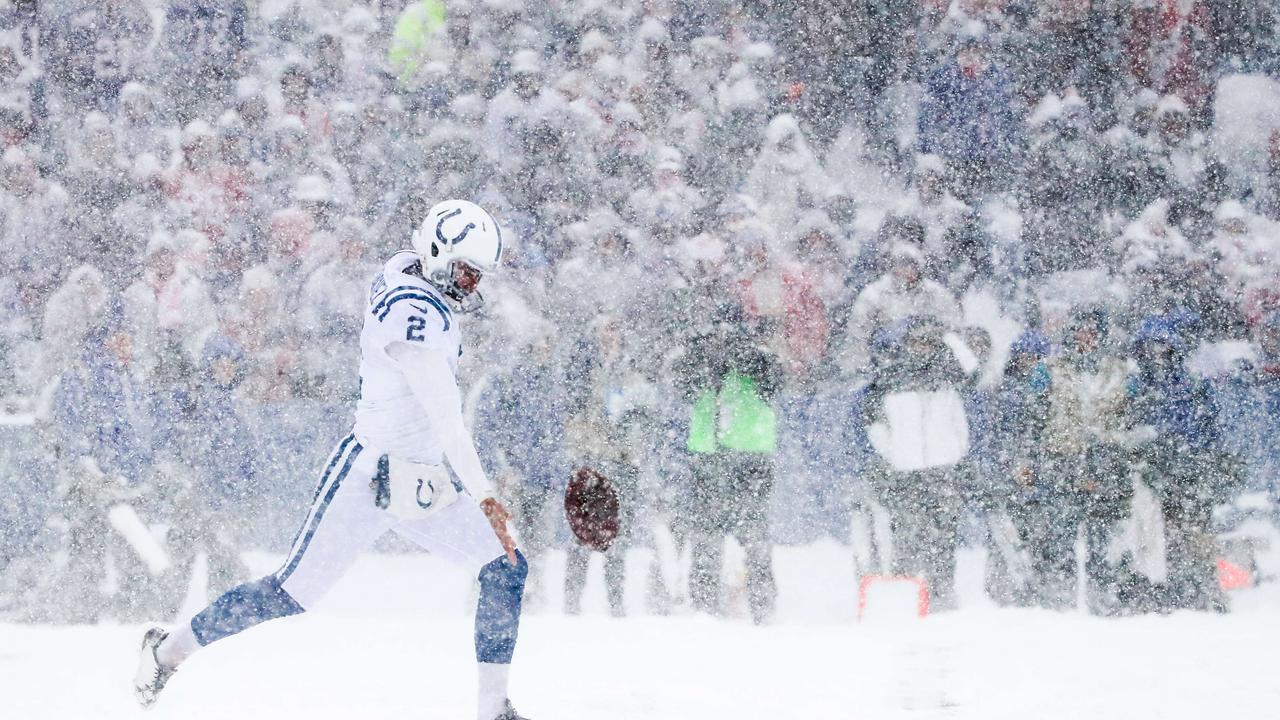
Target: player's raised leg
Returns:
[462, 534]
[342, 521]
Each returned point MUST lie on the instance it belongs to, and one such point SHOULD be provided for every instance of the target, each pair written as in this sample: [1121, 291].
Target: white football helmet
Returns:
[458, 242]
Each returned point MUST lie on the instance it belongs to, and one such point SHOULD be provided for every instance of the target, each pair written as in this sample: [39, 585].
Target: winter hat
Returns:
[248, 87]
[1049, 108]
[1230, 210]
[161, 241]
[604, 220]
[571, 84]
[815, 221]
[1171, 104]
[930, 163]
[1030, 342]
[258, 277]
[526, 62]
[652, 31]
[625, 113]
[469, 109]
[742, 92]
[90, 287]
[1146, 99]
[146, 167]
[738, 207]
[312, 188]
[758, 53]
[191, 243]
[972, 35]
[751, 235]
[343, 111]
[95, 120]
[230, 123]
[195, 131]
[608, 69]
[781, 127]
[289, 125]
[1074, 107]
[1168, 329]
[905, 252]
[707, 48]
[669, 159]
[133, 90]
[595, 41]
[703, 247]
[218, 347]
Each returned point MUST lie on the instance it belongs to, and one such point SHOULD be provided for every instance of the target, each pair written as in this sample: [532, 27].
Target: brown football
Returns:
[591, 504]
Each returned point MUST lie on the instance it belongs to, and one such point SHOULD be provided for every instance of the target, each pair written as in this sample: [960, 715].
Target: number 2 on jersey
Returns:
[414, 332]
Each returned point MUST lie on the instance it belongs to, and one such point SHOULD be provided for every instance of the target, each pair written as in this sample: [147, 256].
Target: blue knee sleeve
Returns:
[242, 607]
[498, 612]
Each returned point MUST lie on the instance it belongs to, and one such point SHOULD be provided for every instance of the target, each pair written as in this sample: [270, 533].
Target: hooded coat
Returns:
[787, 176]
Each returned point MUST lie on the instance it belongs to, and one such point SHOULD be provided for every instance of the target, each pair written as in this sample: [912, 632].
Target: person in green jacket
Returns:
[730, 380]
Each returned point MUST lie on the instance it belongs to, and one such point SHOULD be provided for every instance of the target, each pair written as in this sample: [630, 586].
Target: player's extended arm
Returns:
[431, 379]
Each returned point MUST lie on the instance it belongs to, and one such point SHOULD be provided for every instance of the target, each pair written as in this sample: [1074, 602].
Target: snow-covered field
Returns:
[394, 641]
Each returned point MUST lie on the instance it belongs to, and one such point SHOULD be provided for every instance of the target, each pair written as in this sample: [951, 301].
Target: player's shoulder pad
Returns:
[399, 299]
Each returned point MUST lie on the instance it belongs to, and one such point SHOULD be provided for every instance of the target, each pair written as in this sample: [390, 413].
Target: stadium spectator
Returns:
[610, 411]
[232, 168]
[915, 416]
[1085, 449]
[968, 117]
[1175, 412]
[730, 380]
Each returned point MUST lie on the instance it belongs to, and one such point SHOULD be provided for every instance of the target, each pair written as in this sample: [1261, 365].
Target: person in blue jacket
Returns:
[99, 418]
[1249, 400]
[521, 415]
[210, 474]
[1174, 414]
[968, 117]
[1021, 406]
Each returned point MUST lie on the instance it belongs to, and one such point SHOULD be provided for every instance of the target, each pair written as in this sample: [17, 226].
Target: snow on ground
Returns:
[394, 641]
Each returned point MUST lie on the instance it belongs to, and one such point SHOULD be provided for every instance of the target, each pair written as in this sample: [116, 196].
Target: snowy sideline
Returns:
[394, 641]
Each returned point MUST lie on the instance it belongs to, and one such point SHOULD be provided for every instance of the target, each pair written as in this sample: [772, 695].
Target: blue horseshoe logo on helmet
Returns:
[460, 236]
[431, 487]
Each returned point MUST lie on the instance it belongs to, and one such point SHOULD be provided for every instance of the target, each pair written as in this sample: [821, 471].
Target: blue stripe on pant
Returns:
[317, 513]
[264, 599]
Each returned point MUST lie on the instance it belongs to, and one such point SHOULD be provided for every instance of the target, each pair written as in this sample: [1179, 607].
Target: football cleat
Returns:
[152, 674]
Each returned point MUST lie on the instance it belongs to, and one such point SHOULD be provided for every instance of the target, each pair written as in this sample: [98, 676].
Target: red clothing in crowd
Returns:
[1170, 49]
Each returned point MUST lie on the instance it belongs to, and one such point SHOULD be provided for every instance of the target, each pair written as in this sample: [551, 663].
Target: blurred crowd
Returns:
[909, 274]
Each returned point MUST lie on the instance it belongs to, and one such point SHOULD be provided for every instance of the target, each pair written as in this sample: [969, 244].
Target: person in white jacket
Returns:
[917, 424]
[388, 473]
[902, 292]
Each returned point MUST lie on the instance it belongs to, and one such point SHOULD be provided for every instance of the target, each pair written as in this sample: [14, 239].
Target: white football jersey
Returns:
[405, 308]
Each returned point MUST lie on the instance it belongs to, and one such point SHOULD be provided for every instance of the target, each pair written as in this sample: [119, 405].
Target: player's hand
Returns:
[498, 516]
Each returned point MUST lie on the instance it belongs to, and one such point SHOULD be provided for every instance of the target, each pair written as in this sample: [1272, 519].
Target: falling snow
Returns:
[848, 299]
